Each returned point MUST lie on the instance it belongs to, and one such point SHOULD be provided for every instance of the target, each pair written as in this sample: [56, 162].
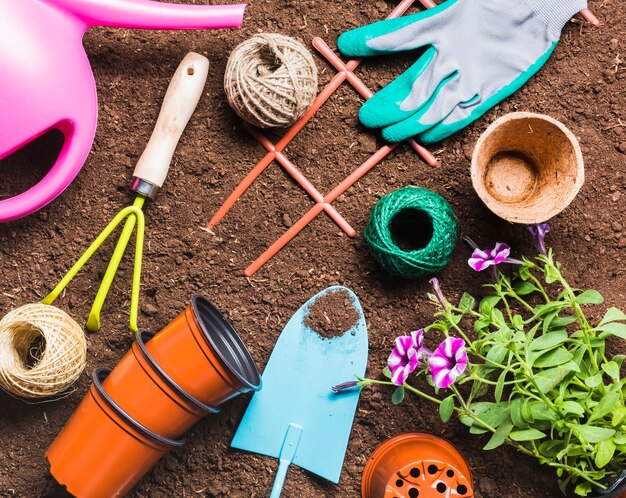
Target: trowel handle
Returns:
[180, 101]
[287, 453]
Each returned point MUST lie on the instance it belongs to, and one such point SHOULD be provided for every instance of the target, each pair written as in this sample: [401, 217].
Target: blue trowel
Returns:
[296, 417]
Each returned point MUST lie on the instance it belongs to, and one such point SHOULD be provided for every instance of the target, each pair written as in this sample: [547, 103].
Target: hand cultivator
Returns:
[179, 103]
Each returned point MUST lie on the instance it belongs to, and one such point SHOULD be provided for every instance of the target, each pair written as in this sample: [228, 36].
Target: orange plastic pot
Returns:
[102, 452]
[202, 353]
[416, 465]
[147, 394]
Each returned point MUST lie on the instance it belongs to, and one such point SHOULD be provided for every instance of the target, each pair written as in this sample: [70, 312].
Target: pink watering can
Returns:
[46, 81]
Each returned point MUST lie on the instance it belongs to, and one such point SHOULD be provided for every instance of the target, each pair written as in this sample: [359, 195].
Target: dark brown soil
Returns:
[332, 314]
[583, 85]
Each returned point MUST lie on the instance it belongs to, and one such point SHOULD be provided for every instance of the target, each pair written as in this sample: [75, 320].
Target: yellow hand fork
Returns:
[180, 101]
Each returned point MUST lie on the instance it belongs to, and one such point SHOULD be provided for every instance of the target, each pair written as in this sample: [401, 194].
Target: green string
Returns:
[426, 212]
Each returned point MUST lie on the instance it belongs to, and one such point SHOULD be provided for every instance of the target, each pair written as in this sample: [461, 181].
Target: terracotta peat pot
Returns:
[416, 465]
[527, 168]
[146, 393]
[102, 452]
[202, 353]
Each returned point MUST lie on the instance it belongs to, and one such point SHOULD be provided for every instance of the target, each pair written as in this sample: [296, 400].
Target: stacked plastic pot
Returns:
[137, 412]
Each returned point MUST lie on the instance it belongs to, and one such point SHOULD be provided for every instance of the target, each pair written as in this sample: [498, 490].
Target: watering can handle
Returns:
[287, 454]
[180, 101]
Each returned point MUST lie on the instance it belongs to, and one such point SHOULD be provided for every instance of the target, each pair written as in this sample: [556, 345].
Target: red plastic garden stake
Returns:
[275, 153]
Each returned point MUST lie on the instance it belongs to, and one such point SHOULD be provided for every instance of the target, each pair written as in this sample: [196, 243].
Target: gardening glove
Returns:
[479, 52]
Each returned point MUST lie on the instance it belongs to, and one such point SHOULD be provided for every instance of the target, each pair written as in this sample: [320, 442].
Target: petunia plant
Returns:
[534, 373]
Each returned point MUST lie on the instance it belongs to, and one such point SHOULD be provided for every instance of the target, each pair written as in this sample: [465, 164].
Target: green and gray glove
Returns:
[479, 52]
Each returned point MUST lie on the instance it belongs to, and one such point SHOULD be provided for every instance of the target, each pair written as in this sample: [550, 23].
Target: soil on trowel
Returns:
[583, 84]
[332, 314]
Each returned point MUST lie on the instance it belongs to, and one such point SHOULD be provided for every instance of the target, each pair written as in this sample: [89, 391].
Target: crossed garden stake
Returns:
[345, 72]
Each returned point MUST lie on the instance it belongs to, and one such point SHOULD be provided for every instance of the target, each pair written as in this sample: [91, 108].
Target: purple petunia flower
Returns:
[343, 386]
[406, 356]
[448, 362]
[539, 232]
[437, 288]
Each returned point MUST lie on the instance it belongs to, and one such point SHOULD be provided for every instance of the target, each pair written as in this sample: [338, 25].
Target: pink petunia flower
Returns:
[481, 260]
[406, 356]
[448, 362]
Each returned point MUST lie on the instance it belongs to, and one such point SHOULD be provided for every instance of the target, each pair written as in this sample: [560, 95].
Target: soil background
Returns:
[583, 85]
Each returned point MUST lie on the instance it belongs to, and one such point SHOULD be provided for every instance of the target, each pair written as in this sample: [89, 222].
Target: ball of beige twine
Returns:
[270, 80]
[42, 351]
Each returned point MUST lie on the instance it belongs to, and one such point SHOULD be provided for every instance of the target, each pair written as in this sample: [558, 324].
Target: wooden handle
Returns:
[180, 101]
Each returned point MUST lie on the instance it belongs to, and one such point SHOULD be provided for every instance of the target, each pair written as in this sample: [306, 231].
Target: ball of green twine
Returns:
[424, 216]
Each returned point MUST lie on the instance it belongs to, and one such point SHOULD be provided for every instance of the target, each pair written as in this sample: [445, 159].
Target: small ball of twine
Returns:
[42, 351]
[430, 214]
[270, 80]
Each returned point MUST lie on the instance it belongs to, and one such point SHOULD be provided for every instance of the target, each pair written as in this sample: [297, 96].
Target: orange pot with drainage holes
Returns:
[416, 465]
[201, 352]
[102, 452]
[146, 393]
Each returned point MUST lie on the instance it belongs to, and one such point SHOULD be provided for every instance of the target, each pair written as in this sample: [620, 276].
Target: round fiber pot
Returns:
[147, 394]
[416, 465]
[202, 353]
[102, 452]
[527, 168]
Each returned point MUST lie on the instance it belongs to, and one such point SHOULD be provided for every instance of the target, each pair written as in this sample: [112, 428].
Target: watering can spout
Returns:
[149, 14]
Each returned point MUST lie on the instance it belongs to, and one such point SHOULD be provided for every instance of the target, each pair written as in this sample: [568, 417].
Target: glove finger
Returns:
[405, 95]
[394, 35]
[463, 114]
[431, 113]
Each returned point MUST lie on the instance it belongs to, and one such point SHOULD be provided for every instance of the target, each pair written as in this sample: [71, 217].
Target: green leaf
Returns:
[518, 322]
[613, 315]
[551, 274]
[547, 380]
[541, 411]
[387, 372]
[583, 488]
[498, 317]
[604, 452]
[526, 435]
[479, 389]
[551, 448]
[605, 406]
[553, 358]
[562, 321]
[571, 407]
[592, 433]
[619, 416]
[594, 381]
[499, 437]
[614, 328]
[525, 288]
[496, 355]
[527, 413]
[589, 297]
[516, 413]
[612, 370]
[500, 386]
[446, 408]
[398, 396]
[492, 414]
[488, 303]
[467, 302]
[548, 341]
[619, 438]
